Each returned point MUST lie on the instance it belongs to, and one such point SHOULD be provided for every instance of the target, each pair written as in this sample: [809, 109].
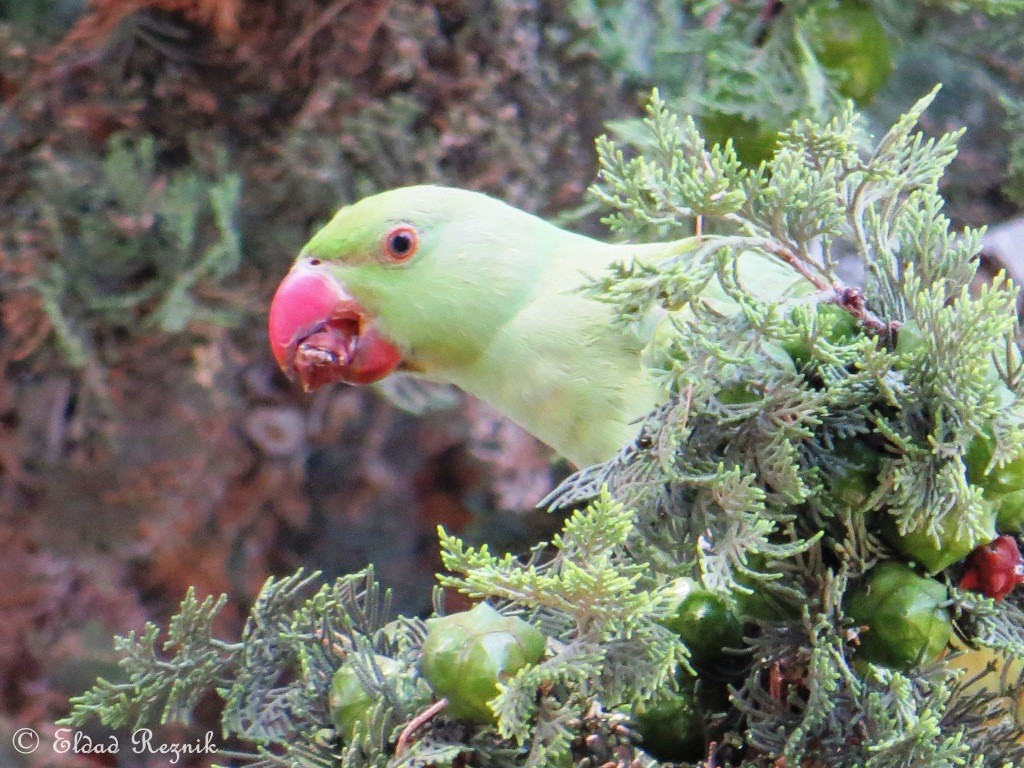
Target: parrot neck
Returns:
[562, 370]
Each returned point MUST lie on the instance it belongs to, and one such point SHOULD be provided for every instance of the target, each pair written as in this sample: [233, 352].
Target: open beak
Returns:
[320, 334]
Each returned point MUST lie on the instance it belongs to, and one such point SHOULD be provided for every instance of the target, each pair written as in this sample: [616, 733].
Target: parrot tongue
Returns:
[320, 334]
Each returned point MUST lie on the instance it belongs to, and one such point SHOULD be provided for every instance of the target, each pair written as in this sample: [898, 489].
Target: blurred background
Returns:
[162, 162]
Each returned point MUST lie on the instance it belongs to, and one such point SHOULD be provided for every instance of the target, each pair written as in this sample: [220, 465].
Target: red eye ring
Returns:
[400, 244]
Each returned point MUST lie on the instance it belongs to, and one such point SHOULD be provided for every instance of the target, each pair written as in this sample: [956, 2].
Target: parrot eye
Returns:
[400, 244]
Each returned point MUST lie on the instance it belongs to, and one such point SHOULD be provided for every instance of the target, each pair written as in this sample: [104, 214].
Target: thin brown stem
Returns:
[852, 300]
[418, 722]
[792, 259]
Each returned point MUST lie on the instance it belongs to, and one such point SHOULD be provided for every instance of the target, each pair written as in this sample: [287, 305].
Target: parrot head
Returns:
[413, 279]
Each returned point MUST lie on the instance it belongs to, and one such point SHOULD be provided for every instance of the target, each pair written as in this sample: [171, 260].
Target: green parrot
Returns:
[460, 288]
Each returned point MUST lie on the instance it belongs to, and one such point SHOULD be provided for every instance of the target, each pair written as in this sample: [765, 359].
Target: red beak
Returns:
[320, 334]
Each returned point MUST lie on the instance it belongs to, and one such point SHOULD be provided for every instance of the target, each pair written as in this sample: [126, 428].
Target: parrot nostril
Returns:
[314, 262]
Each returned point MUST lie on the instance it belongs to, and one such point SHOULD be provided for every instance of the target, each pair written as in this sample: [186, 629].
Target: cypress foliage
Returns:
[807, 443]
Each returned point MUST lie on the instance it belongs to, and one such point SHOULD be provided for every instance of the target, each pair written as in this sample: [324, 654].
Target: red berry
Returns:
[994, 569]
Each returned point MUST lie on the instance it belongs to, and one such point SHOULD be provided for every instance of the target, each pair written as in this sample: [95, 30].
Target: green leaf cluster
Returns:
[131, 245]
[275, 680]
[737, 480]
[747, 69]
[601, 610]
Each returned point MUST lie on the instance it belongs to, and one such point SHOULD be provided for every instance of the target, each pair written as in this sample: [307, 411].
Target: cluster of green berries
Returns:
[672, 726]
[898, 605]
[466, 656]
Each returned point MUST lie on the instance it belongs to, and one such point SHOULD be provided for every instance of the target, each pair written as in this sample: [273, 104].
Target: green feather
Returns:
[490, 302]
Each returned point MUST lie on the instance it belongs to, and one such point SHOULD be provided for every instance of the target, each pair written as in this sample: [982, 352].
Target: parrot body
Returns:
[458, 287]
